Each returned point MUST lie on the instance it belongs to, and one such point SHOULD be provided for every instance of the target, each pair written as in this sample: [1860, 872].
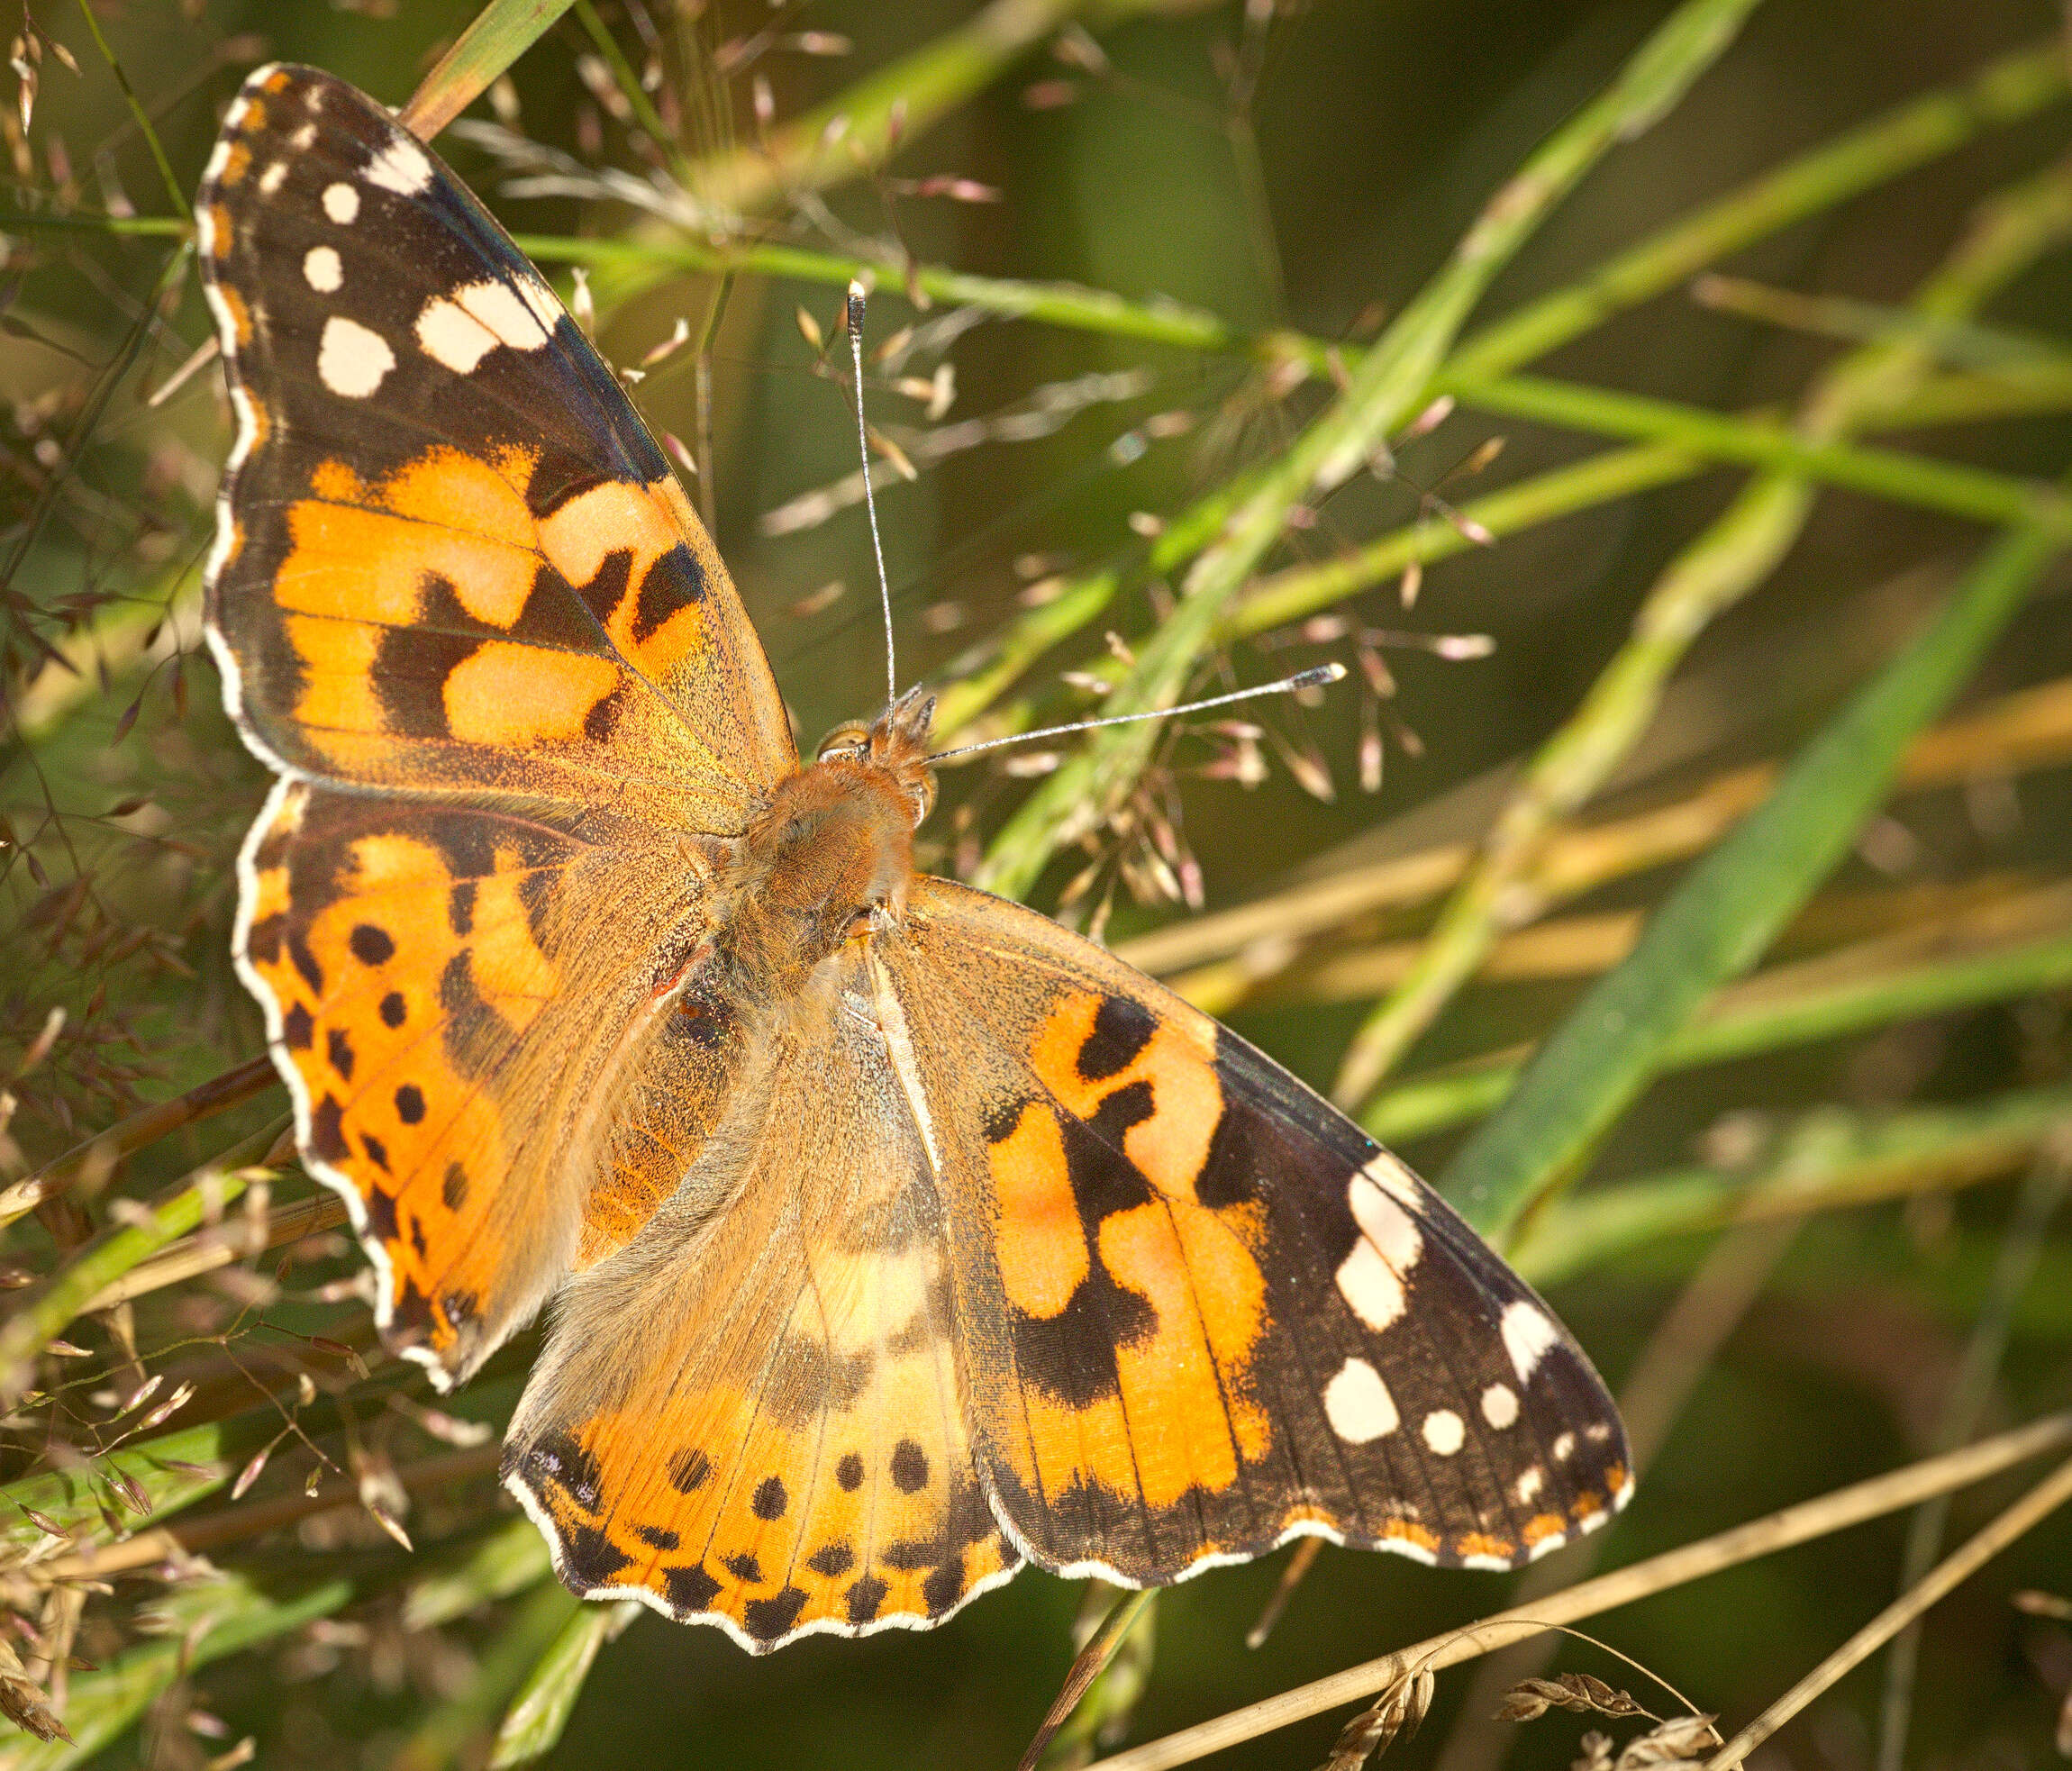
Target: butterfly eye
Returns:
[845, 741]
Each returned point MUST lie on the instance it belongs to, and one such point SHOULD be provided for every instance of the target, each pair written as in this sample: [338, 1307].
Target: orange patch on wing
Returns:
[1041, 1248]
[338, 676]
[1188, 1426]
[1172, 1143]
[581, 536]
[236, 164]
[1407, 1531]
[234, 302]
[1544, 1525]
[1185, 1416]
[365, 552]
[512, 695]
[1477, 1543]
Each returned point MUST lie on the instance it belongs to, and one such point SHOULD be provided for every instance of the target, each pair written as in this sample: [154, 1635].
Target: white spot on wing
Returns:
[304, 139]
[1392, 1178]
[1564, 1447]
[1527, 1336]
[350, 360]
[545, 305]
[1369, 1284]
[1384, 1223]
[341, 204]
[1500, 1405]
[1357, 1405]
[273, 177]
[1528, 1486]
[401, 167]
[1444, 1431]
[321, 270]
[1371, 1278]
[457, 331]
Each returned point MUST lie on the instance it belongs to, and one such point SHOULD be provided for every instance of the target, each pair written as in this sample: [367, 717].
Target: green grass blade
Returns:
[506, 1660]
[1422, 1105]
[501, 32]
[115, 1252]
[1827, 1159]
[540, 1710]
[1720, 919]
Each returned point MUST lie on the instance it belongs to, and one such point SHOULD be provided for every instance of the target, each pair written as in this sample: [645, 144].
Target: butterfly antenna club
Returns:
[1314, 678]
[857, 297]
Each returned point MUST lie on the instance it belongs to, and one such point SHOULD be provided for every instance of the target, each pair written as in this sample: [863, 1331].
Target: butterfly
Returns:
[894, 1237]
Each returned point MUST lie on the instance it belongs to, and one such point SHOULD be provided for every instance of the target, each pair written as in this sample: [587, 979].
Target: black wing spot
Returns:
[337, 1048]
[909, 1467]
[327, 1130]
[393, 1011]
[745, 1567]
[832, 1560]
[768, 1619]
[460, 908]
[1122, 1030]
[848, 1472]
[769, 1500]
[673, 582]
[559, 1459]
[297, 1030]
[589, 1557]
[381, 1223]
[688, 1469]
[655, 1536]
[944, 1587]
[306, 963]
[690, 1589]
[377, 1153]
[371, 946]
[453, 1189]
[865, 1597]
[410, 1104]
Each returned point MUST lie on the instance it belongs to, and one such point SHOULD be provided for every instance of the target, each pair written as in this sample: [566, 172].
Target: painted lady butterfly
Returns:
[895, 1236]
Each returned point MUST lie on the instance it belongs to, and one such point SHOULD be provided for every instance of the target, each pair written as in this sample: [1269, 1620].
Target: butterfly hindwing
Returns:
[450, 557]
[436, 997]
[752, 1413]
[1204, 1310]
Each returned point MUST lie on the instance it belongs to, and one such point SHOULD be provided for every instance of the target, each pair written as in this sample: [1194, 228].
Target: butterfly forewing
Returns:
[1204, 1310]
[451, 559]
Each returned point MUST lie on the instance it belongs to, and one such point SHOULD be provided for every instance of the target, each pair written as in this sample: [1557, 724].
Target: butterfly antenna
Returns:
[1307, 679]
[856, 302]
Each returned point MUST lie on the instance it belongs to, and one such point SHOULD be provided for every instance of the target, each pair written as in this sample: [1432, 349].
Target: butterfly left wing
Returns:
[1202, 1310]
[451, 558]
[751, 1415]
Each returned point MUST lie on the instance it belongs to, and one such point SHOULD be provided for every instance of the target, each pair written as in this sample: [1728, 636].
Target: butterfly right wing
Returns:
[1202, 1311]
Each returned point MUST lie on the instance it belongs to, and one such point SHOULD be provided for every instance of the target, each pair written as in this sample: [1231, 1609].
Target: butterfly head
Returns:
[896, 742]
